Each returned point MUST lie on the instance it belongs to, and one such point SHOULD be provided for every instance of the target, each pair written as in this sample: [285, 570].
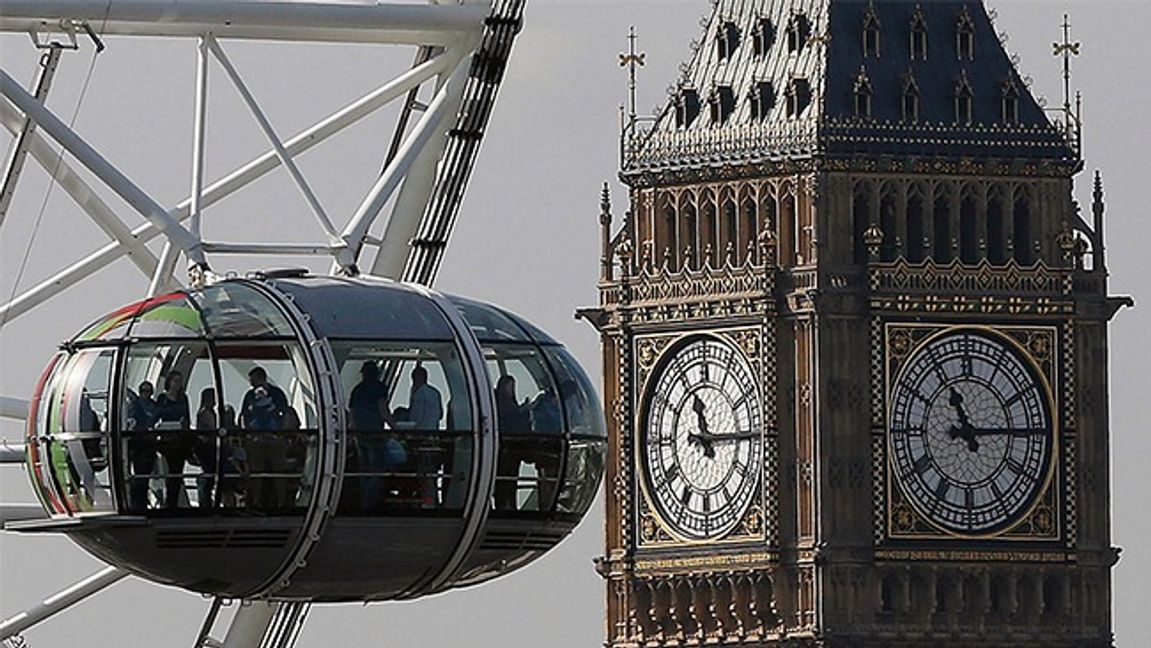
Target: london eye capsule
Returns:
[293, 437]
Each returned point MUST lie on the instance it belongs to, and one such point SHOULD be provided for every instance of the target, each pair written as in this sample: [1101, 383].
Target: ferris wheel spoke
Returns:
[61, 601]
[80, 192]
[101, 168]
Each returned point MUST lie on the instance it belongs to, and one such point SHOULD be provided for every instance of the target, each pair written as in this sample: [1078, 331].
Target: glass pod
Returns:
[315, 438]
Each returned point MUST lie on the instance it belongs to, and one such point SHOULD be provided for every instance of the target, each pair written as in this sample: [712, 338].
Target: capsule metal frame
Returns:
[318, 545]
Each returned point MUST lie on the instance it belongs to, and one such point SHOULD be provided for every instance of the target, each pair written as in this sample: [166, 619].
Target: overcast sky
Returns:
[527, 239]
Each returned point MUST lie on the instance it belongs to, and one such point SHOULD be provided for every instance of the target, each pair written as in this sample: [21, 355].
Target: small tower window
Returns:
[863, 94]
[871, 34]
[798, 31]
[727, 40]
[964, 101]
[910, 98]
[687, 107]
[764, 36]
[919, 35]
[798, 97]
[762, 100]
[722, 104]
[1010, 102]
[965, 36]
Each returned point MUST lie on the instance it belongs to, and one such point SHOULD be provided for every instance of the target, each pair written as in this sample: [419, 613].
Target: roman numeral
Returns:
[1015, 467]
[942, 490]
[922, 464]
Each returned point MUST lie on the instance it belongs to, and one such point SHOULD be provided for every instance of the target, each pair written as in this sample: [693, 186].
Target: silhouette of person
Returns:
[174, 418]
[368, 411]
[425, 410]
[514, 419]
[142, 414]
[207, 450]
[262, 412]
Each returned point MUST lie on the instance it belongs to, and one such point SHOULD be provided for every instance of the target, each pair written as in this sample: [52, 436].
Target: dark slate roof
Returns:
[831, 60]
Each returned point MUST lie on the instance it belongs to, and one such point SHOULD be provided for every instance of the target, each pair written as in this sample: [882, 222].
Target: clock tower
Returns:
[855, 345]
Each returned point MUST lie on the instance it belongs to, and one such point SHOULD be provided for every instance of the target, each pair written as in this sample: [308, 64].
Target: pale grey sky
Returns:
[527, 239]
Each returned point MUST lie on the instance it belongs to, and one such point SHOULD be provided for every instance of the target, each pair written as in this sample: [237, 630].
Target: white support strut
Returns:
[13, 408]
[83, 195]
[228, 185]
[102, 169]
[401, 24]
[273, 139]
[61, 601]
[356, 231]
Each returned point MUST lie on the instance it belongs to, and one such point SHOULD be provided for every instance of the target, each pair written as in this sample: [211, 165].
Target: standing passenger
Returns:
[262, 412]
[141, 416]
[173, 418]
[207, 449]
[426, 408]
[367, 411]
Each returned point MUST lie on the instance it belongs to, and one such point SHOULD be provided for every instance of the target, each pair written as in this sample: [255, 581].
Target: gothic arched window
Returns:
[1010, 102]
[722, 103]
[798, 31]
[727, 40]
[965, 36]
[910, 99]
[964, 101]
[996, 229]
[968, 230]
[798, 97]
[687, 107]
[871, 34]
[919, 35]
[1022, 228]
[762, 100]
[764, 36]
[942, 227]
[916, 240]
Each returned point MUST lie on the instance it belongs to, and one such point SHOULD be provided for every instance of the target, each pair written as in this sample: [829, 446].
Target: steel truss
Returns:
[463, 51]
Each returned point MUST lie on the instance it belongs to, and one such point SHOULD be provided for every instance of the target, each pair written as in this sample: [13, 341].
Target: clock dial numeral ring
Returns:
[971, 432]
[701, 438]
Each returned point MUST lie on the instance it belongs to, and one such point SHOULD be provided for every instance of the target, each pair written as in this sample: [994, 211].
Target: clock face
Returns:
[702, 439]
[971, 432]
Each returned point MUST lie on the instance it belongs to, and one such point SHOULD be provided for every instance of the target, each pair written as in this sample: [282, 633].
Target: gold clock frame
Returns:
[1042, 520]
[757, 523]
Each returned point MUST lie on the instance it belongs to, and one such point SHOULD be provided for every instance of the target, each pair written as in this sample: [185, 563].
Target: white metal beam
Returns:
[424, 130]
[13, 408]
[229, 185]
[19, 152]
[200, 115]
[273, 139]
[62, 601]
[401, 24]
[101, 168]
[80, 192]
[21, 513]
[12, 453]
[413, 200]
[249, 624]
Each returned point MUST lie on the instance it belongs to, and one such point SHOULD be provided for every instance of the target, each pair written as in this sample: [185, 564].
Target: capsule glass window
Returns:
[75, 447]
[411, 428]
[161, 446]
[268, 412]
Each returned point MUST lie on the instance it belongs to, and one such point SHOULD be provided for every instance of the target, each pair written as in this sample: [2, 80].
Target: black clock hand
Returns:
[957, 402]
[703, 438]
[735, 436]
